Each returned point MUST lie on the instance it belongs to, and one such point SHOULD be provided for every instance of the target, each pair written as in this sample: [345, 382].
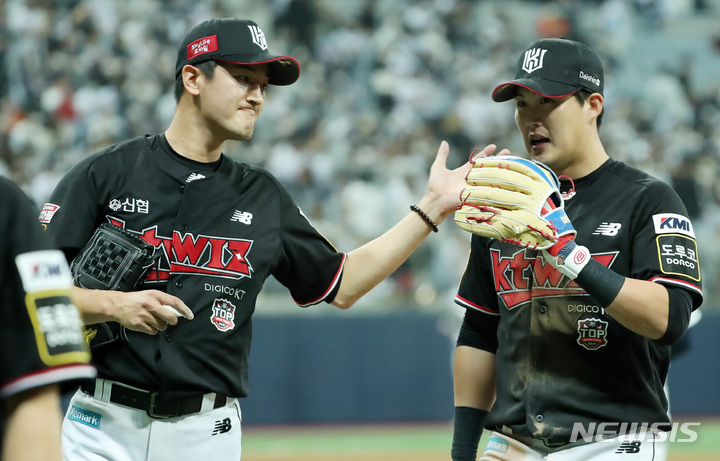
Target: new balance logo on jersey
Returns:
[244, 217]
[194, 177]
[608, 229]
[629, 448]
[222, 427]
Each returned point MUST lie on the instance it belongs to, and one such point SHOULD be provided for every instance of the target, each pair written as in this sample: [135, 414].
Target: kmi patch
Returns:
[678, 255]
[592, 333]
[671, 223]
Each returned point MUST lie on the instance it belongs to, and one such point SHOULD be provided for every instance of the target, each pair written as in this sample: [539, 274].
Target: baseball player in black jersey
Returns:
[41, 332]
[168, 385]
[565, 358]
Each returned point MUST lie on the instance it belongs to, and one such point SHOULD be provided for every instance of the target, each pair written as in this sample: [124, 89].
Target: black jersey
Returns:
[41, 335]
[222, 228]
[560, 358]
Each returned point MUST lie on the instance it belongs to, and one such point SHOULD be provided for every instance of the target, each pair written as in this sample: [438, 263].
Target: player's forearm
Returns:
[94, 305]
[641, 307]
[373, 262]
[474, 378]
[33, 429]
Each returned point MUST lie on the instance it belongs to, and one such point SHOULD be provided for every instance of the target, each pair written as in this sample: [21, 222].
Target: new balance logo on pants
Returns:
[222, 427]
[629, 447]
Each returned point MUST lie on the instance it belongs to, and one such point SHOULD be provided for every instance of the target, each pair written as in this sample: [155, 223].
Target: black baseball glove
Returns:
[113, 259]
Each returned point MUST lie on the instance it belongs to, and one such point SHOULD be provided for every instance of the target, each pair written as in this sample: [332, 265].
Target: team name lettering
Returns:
[196, 255]
[524, 275]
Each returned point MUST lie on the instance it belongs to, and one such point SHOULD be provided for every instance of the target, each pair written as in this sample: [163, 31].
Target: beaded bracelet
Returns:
[425, 217]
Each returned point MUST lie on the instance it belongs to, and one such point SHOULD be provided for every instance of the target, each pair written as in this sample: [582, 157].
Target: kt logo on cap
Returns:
[533, 60]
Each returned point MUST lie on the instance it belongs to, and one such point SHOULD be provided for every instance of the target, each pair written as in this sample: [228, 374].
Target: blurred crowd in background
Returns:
[382, 83]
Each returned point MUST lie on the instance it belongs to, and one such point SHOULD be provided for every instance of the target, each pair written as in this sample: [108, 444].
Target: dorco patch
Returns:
[58, 327]
[678, 256]
[671, 223]
[46, 214]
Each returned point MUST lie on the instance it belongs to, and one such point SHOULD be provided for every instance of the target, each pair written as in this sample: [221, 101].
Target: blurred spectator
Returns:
[379, 78]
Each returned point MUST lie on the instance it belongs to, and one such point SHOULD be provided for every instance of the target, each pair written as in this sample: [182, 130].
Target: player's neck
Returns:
[588, 160]
[190, 141]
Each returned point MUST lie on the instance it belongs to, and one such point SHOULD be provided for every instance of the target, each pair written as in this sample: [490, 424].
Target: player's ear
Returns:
[191, 75]
[595, 105]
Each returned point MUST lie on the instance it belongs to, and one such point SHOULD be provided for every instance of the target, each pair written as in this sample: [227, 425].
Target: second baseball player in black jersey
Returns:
[169, 381]
[550, 324]
[553, 349]
[41, 334]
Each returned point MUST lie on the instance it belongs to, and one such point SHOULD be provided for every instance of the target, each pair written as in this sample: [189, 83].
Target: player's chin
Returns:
[541, 153]
[242, 134]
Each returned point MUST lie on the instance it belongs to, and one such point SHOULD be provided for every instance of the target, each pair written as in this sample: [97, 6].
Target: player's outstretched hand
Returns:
[148, 311]
[444, 185]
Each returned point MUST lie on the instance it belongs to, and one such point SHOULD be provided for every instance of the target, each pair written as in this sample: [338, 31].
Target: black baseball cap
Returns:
[237, 41]
[555, 67]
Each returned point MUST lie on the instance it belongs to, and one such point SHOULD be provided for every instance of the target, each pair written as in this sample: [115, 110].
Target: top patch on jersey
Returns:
[671, 223]
[46, 214]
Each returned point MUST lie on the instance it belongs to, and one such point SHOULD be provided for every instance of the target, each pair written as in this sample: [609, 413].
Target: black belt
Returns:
[149, 402]
[548, 442]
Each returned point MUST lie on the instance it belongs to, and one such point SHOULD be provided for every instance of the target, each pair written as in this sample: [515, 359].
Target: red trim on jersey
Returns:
[330, 288]
[47, 376]
[464, 302]
[678, 282]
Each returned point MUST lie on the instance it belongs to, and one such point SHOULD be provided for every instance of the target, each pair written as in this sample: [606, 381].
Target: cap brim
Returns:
[548, 88]
[282, 70]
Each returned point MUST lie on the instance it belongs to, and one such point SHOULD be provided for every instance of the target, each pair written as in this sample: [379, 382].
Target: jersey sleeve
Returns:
[41, 334]
[665, 249]
[477, 290]
[310, 266]
[71, 214]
